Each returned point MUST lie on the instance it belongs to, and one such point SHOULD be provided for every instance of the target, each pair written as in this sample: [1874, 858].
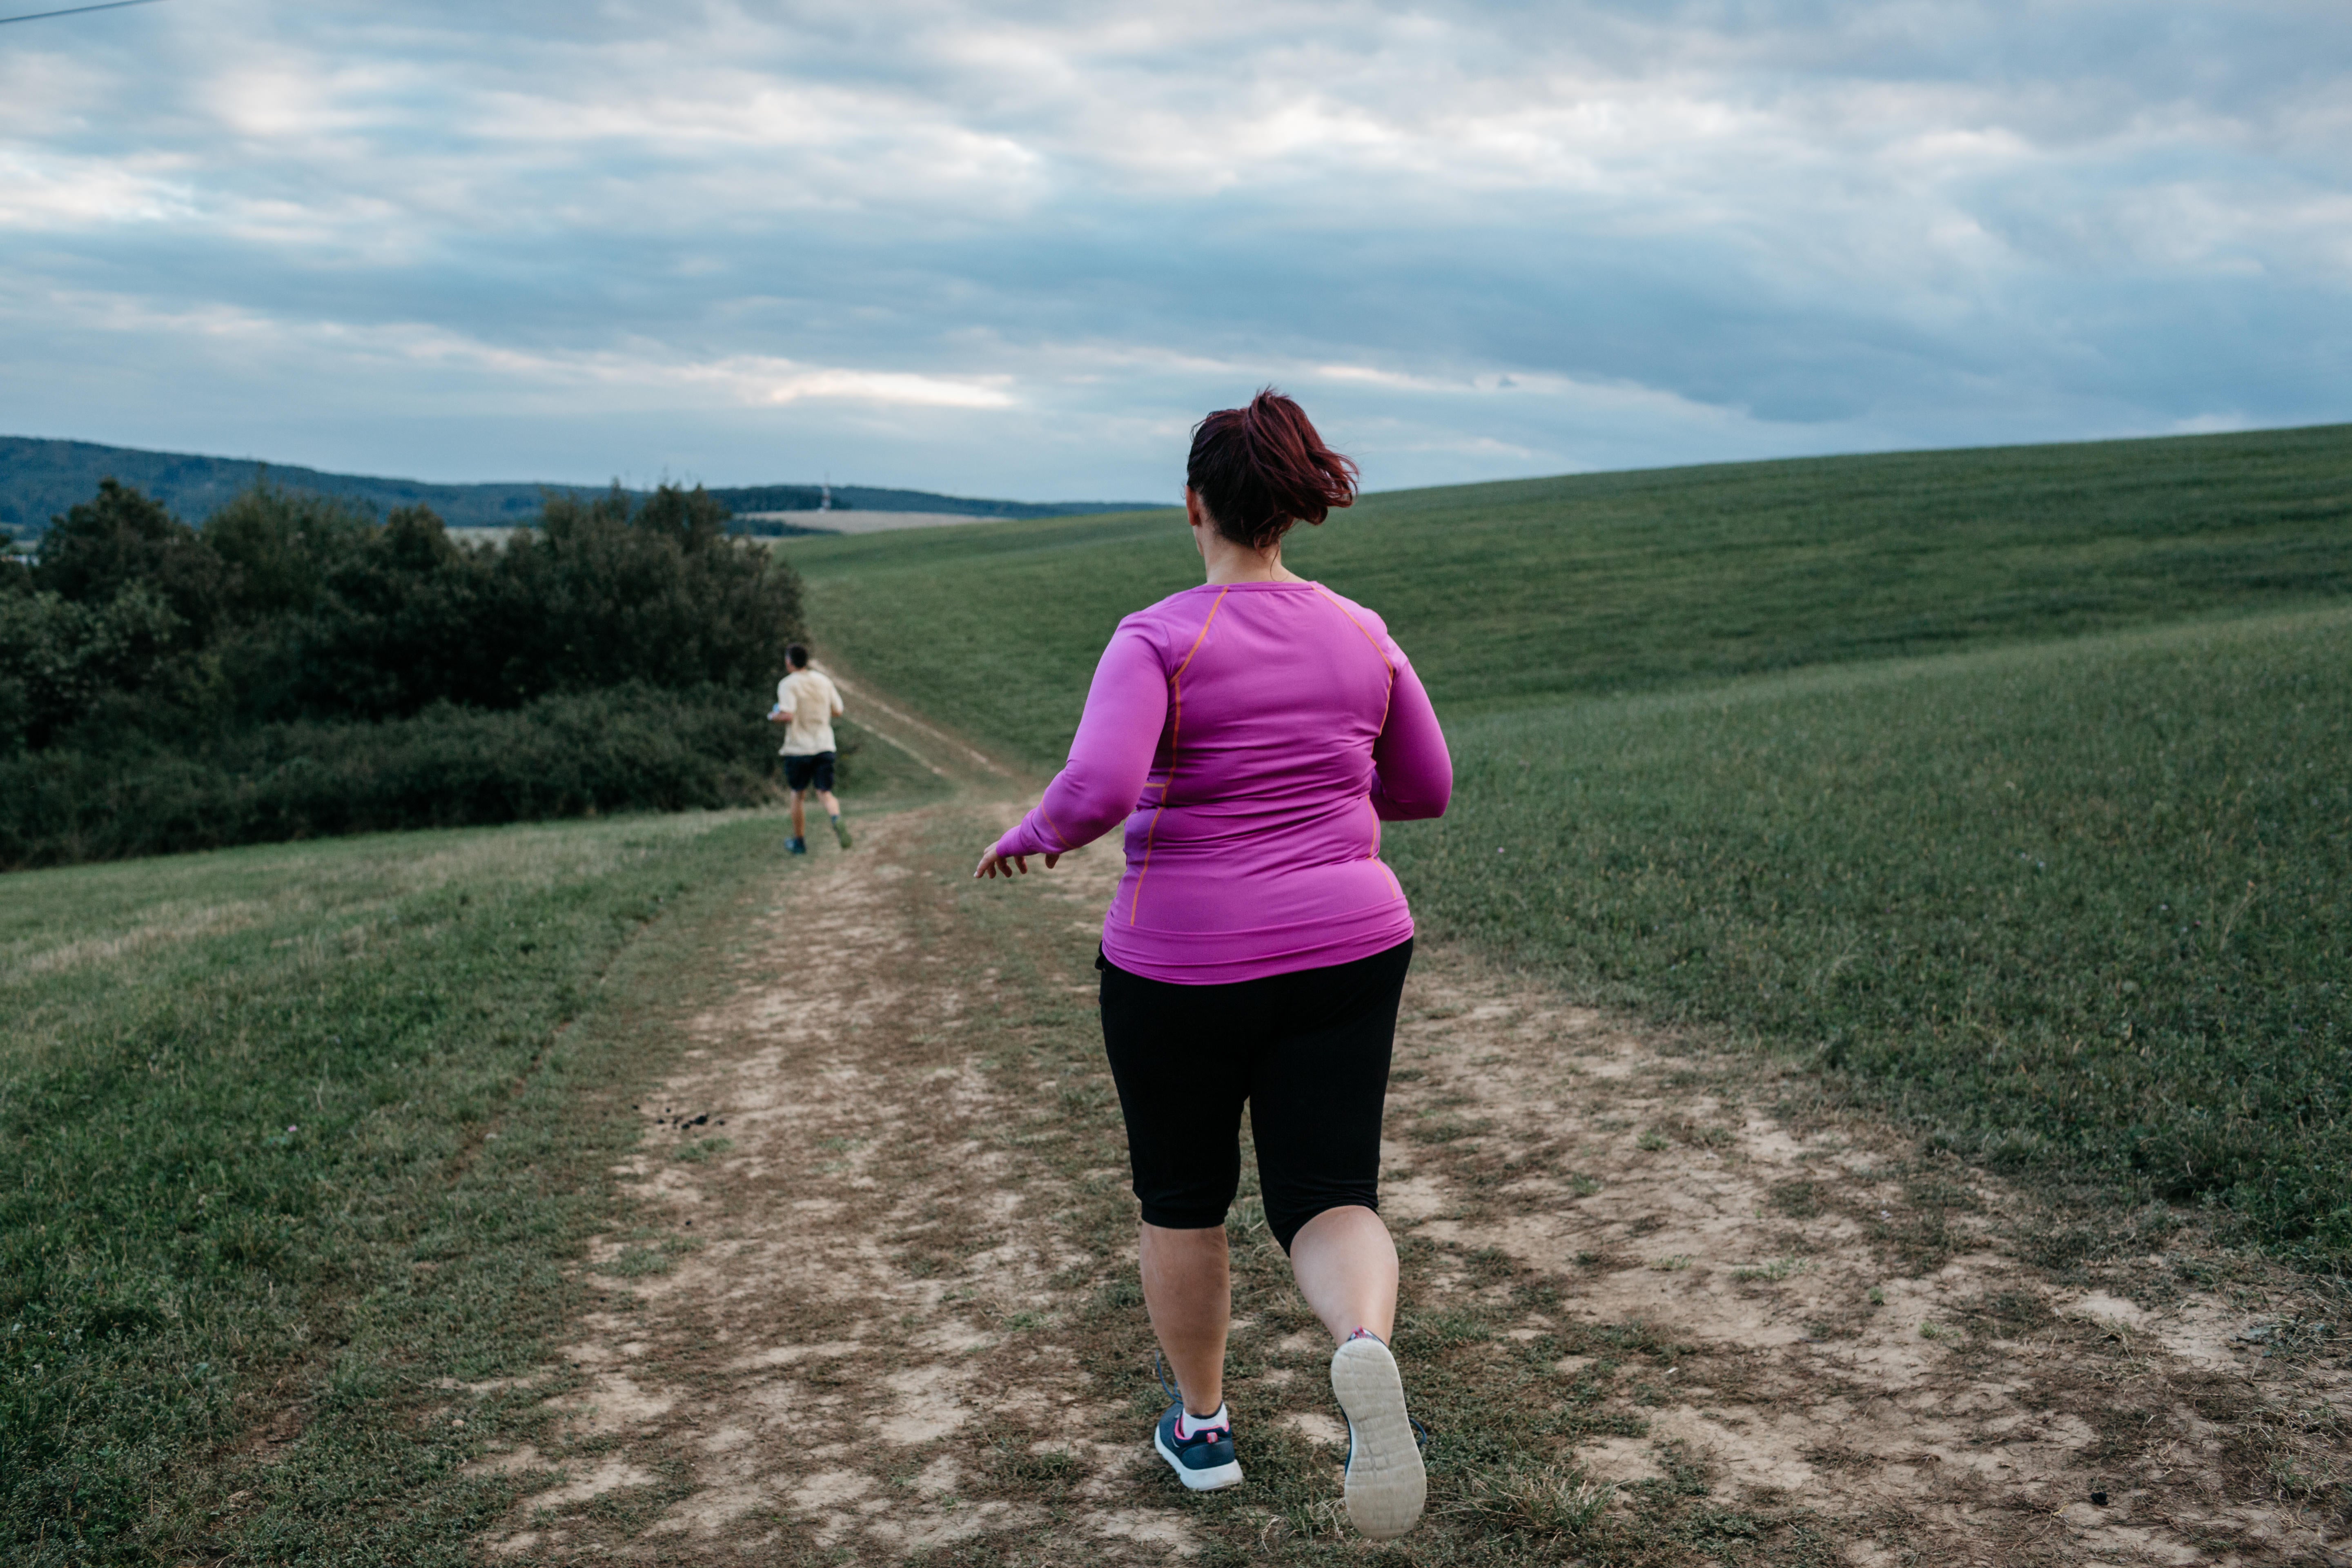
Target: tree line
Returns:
[294, 666]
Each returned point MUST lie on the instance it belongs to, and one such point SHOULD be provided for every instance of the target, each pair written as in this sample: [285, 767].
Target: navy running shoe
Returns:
[1386, 1484]
[796, 845]
[1204, 1462]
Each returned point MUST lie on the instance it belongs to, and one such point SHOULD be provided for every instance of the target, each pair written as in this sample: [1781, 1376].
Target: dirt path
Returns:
[1662, 1304]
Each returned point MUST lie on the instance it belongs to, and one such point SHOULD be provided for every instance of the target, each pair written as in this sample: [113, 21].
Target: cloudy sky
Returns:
[1017, 250]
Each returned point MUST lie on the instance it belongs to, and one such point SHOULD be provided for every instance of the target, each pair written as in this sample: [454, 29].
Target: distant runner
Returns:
[809, 702]
[1253, 734]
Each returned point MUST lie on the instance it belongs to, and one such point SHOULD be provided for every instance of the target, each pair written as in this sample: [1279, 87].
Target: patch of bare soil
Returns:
[1663, 1305]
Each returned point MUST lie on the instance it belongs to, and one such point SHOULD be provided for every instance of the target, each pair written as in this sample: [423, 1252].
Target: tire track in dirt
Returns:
[880, 1301]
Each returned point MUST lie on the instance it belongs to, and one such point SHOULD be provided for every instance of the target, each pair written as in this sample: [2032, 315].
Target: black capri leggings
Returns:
[1308, 1051]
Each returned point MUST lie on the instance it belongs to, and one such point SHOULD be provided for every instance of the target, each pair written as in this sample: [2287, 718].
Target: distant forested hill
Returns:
[40, 480]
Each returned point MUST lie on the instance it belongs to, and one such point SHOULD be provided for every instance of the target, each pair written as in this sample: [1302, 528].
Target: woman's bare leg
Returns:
[1188, 1289]
[1347, 1269]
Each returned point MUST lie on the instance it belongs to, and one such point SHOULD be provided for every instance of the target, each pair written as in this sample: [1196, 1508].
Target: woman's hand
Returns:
[994, 865]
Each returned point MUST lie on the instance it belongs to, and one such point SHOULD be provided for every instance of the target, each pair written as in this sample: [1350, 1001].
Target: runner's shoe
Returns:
[841, 832]
[1204, 1462]
[1386, 1483]
[796, 845]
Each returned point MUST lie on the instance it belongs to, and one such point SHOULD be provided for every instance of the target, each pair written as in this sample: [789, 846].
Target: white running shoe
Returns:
[1386, 1484]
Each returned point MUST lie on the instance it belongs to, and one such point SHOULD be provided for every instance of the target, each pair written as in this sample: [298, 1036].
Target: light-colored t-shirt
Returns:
[812, 700]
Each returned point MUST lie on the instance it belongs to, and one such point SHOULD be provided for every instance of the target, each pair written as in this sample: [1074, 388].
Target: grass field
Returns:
[293, 1136]
[2075, 895]
[2083, 905]
[1506, 593]
[311, 1155]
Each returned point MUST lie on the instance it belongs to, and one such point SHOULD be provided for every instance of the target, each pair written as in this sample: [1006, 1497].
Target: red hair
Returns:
[1260, 469]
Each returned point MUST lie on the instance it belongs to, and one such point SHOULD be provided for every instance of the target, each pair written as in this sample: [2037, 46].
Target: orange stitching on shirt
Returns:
[1175, 724]
[1332, 599]
[1373, 852]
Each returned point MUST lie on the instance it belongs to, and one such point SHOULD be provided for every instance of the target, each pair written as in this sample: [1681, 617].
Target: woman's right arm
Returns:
[1111, 756]
[1414, 776]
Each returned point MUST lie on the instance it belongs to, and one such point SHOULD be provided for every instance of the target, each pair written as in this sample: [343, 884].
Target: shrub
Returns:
[633, 748]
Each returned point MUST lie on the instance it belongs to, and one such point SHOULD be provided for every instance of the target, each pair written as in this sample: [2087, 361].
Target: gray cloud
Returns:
[1020, 251]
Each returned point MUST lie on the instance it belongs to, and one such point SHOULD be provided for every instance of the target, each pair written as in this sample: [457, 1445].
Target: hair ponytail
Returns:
[1262, 470]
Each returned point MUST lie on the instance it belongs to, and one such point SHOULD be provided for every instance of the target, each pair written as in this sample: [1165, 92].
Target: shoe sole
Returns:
[1386, 1485]
[1210, 1480]
[843, 834]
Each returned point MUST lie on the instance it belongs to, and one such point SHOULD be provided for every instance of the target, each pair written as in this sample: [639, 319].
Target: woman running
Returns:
[1253, 733]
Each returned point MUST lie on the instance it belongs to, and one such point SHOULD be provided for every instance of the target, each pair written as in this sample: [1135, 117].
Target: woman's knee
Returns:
[1287, 1219]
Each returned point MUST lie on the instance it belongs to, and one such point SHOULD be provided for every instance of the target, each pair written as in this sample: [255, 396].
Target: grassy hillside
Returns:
[2077, 893]
[2084, 904]
[1509, 593]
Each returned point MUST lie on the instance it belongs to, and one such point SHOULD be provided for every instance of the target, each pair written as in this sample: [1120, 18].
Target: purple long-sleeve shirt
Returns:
[1253, 736]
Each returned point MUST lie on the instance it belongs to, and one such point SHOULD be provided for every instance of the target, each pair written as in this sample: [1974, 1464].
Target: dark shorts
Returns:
[812, 771]
[1307, 1052]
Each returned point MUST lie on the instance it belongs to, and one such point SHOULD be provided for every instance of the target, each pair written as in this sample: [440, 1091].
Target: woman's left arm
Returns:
[1413, 776]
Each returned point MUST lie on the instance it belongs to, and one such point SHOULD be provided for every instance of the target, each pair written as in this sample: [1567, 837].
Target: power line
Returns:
[73, 11]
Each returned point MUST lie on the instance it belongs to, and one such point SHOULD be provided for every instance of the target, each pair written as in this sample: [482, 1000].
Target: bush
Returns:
[631, 748]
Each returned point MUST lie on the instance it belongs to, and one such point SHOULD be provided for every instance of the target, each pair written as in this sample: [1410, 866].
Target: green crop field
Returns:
[2039, 833]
